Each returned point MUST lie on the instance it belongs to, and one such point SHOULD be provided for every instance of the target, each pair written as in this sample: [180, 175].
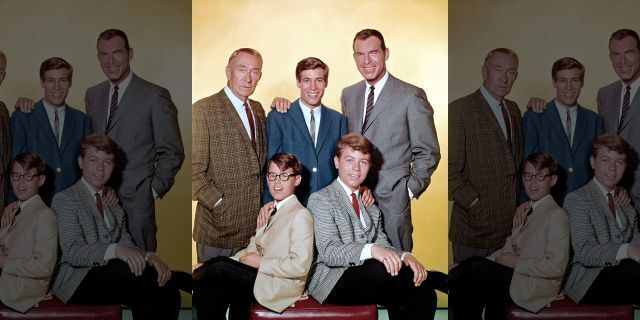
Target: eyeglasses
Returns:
[27, 176]
[283, 176]
[539, 176]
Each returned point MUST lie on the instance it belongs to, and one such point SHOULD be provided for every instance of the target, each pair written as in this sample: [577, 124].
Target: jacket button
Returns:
[570, 170]
[257, 176]
[58, 170]
[314, 169]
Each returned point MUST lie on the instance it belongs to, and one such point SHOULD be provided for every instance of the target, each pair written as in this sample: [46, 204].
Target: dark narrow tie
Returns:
[273, 212]
[99, 204]
[56, 126]
[114, 103]
[369, 107]
[312, 128]
[612, 205]
[526, 216]
[626, 103]
[354, 202]
[567, 128]
[507, 123]
[251, 125]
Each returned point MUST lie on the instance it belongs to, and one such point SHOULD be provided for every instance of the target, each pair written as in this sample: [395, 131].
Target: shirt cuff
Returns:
[110, 253]
[155, 194]
[366, 252]
[404, 254]
[147, 255]
[410, 193]
[622, 252]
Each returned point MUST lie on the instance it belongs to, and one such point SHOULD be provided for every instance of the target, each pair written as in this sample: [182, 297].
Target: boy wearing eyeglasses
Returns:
[28, 238]
[273, 268]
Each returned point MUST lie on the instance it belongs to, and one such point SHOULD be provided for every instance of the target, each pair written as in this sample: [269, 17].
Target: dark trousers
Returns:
[477, 283]
[222, 283]
[615, 285]
[114, 283]
[370, 283]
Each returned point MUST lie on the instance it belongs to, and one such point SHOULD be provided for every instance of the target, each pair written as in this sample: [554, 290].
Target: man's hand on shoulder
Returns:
[25, 104]
[281, 105]
[536, 104]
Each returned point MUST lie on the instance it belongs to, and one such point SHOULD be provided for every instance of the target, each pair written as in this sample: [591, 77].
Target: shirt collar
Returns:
[91, 189]
[25, 203]
[305, 108]
[122, 86]
[237, 103]
[380, 84]
[279, 204]
[536, 204]
[603, 189]
[347, 190]
[50, 109]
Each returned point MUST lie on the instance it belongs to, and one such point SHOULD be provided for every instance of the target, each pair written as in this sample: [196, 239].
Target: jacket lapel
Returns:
[43, 122]
[581, 129]
[126, 103]
[385, 98]
[297, 118]
[553, 116]
[486, 116]
[325, 124]
[69, 125]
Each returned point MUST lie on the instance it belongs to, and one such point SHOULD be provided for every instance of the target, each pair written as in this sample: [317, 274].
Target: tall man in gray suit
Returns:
[142, 120]
[605, 266]
[356, 264]
[618, 102]
[398, 120]
[485, 150]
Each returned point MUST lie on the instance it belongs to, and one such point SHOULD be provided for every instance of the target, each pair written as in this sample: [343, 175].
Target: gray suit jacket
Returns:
[340, 236]
[406, 149]
[481, 166]
[595, 236]
[145, 128]
[609, 102]
[84, 236]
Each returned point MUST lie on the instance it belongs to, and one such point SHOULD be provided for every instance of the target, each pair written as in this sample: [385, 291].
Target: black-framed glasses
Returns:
[283, 176]
[539, 176]
[27, 176]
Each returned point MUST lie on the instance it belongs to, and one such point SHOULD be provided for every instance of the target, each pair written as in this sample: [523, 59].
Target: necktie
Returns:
[526, 216]
[273, 212]
[312, 128]
[507, 123]
[99, 204]
[114, 103]
[612, 205]
[567, 128]
[369, 107]
[626, 103]
[354, 202]
[56, 126]
[251, 125]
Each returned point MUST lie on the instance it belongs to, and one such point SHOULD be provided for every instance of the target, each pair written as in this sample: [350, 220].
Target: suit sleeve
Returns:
[274, 138]
[507, 248]
[460, 190]
[41, 263]
[296, 263]
[587, 250]
[424, 143]
[344, 129]
[75, 249]
[203, 189]
[168, 142]
[87, 126]
[556, 256]
[328, 239]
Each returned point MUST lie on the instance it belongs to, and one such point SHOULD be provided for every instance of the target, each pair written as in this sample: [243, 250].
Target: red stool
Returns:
[55, 309]
[311, 309]
[567, 309]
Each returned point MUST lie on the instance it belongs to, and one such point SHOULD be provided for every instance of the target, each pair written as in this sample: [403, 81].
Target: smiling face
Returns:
[279, 189]
[114, 58]
[243, 73]
[26, 189]
[353, 167]
[535, 189]
[625, 58]
[370, 58]
[312, 84]
[96, 166]
[499, 73]
[56, 84]
[568, 84]
[608, 167]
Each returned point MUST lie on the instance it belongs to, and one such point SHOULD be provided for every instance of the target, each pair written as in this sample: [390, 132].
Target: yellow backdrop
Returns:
[159, 32]
[287, 31]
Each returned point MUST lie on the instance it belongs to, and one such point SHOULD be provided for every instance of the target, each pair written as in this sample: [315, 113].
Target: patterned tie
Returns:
[354, 202]
[56, 126]
[114, 103]
[507, 123]
[99, 204]
[251, 125]
[626, 103]
[612, 205]
[567, 128]
[312, 128]
[369, 107]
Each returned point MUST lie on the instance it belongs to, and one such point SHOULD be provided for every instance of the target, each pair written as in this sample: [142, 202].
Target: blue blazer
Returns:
[31, 132]
[543, 132]
[288, 132]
